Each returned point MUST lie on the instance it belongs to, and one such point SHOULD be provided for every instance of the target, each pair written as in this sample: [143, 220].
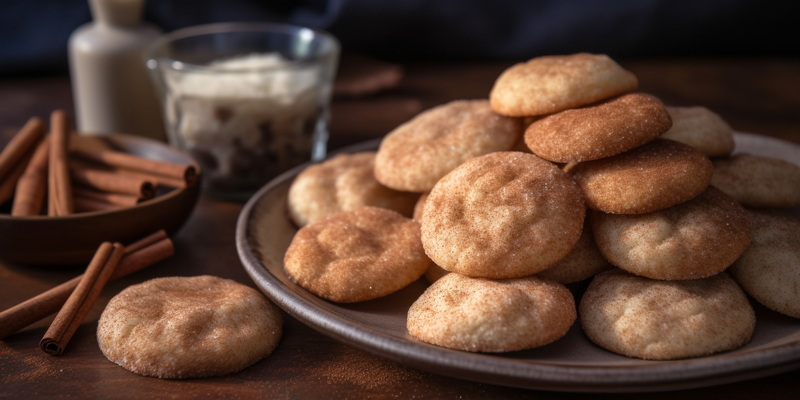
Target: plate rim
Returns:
[717, 369]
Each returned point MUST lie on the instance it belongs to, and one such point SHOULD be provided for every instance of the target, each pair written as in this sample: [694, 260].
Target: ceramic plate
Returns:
[572, 363]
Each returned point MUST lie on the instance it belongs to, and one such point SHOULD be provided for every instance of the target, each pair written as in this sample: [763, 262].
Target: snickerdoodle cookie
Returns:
[502, 215]
[484, 315]
[702, 129]
[665, 320]
[599, 130]
[419, 207]
[434, 272]
[651, 177]
[769, 270]
[418, 153]
[188, 327]
[691, 240]
[583, 261]
[758, 181]
[343, 183]
[356, 255]
[550, 84]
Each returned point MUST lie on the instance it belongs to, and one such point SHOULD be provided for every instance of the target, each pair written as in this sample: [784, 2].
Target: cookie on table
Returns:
[651, 177]
[769, 270]
[550, 84]
[691, 240]
[188, 327]
[583, 261]
[502, 215]
[343, 183]
[702, 129]
[599, 130]
[666, 320]
[356, 255]
[758, 181]
[415, 155]
[484, 315]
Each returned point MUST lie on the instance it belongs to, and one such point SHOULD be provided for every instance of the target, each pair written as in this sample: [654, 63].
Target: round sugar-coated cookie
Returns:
[419, 207]
[484, 315]
[666, 320]
[415, 155]
[702, 129]
[343, 183]
[356, 255]
[691, 240]
[502, 215]
[769, 270]
[758, 181]
[188, 327]
[583, 261]
[434, 272]
[651, 177]
[598, 131]
[550, 84]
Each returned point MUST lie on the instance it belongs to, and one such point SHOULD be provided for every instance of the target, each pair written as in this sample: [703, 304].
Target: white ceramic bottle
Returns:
[112, 91]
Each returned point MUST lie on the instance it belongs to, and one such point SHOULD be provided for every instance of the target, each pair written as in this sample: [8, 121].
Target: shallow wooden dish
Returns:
[73, 239]
[570, 364]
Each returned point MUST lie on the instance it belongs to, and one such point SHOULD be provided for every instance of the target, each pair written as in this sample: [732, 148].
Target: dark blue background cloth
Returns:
[34, 33]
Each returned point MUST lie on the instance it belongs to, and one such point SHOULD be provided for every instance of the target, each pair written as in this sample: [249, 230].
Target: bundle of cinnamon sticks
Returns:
[35, 166]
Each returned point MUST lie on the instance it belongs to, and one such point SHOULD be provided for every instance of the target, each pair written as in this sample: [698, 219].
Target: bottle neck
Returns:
[117, 13]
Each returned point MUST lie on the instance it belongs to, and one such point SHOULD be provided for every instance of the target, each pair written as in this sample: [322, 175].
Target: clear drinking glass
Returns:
[247, 100]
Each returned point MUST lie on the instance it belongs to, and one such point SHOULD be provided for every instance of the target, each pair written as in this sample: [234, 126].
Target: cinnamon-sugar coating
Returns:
[343, 183]
[758, 181]
[484, 315]
[415, 155]
[502, 215]
[666, 320]
[550, 84]
[599, 130]
[356, 255]
[651, 177]
[769, 270]
[702, 129]
[188, 327]
[695, 239]
[583, 261]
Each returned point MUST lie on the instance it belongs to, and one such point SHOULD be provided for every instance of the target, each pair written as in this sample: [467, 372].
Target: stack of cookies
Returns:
[565, 172]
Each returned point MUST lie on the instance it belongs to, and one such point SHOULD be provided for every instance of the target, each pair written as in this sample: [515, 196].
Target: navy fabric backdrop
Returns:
[34, 33]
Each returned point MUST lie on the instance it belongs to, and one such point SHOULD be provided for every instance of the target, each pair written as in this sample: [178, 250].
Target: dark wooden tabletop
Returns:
[753, 95]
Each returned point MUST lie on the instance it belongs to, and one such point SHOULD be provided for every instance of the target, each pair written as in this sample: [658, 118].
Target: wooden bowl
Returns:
[73, 239]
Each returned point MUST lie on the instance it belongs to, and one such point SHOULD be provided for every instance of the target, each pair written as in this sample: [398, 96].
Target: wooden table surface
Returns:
[753, 95]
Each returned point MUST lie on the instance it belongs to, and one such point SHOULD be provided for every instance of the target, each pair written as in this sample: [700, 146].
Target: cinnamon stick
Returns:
[158, 180]
[119, 199]
[59, 192]
[9, 183]
[142, 243]
[82, 298]
[20, 145]
[32, 185]
[111, 181]
[138, 255]
[87, 204]
[186, 174]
